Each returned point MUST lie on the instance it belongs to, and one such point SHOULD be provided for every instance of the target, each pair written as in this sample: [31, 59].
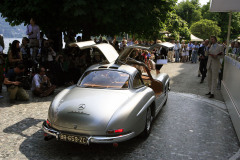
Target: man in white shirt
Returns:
[213, 65]
[41, 85]
[176, 49]
[33, 32]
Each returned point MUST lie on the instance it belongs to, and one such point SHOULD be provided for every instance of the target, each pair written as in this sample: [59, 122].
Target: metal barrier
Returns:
[231, 90]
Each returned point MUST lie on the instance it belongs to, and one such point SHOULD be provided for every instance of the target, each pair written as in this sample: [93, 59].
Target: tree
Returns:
[189, 11]
[177, 27]
[205, 28]
[222, 21]
[90, 17]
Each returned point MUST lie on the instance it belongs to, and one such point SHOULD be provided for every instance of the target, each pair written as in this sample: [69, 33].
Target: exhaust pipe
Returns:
[115, 145]
[48, 138]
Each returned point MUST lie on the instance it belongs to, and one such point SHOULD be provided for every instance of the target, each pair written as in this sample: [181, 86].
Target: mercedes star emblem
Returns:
[81, 106]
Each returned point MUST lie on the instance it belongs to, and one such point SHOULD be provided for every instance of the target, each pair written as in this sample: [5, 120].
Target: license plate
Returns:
[73, 138]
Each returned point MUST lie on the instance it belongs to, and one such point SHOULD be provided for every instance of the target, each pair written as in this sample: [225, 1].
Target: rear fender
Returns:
[131, 116]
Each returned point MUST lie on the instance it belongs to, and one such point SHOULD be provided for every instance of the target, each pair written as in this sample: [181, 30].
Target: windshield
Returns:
[104, 79]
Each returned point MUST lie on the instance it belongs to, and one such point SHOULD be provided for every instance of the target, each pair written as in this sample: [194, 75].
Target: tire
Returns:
[166, 94]
[148, 125]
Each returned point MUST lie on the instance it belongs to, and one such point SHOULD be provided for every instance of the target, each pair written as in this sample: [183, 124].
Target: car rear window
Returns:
[104, 79]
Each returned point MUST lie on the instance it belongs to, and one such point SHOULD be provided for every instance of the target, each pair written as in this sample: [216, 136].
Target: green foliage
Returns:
[205, 28]
[189, 11]
[197, 16]
[222, 21]
[177, 27]
[104, 17]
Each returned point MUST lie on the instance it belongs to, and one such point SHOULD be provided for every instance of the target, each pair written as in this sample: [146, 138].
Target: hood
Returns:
[89, 109]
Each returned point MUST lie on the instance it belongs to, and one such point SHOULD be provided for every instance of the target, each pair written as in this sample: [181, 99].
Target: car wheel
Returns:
[148, 125]
[166, 94]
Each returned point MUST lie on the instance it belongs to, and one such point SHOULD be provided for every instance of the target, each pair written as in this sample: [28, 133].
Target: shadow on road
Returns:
[35, 147]
[21, 126]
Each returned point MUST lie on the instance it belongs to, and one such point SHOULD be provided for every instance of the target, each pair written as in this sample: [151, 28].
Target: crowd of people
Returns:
[235, 48]
[35, 65]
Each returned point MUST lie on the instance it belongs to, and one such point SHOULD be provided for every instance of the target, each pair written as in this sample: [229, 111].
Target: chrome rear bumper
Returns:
[91, 139]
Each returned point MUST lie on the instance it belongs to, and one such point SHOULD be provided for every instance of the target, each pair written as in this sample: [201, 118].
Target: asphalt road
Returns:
[190, 126]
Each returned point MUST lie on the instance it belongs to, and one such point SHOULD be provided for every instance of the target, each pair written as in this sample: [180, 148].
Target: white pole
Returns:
[229, 31]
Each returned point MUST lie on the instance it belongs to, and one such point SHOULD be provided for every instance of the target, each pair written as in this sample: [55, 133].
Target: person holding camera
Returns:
[25, 51]
[14, 85]
[48, 55]
[41, 85]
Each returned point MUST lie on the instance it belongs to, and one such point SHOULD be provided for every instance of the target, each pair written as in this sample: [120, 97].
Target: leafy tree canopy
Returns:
[177, 26]
[205, 28]
[189, 10]
[91, 17]
[222, 21]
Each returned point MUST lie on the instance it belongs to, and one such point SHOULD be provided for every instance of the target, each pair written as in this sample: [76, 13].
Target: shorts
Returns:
[34, 43]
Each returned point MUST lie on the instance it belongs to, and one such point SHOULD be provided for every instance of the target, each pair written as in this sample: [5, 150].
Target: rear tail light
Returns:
[115, 131]
[48, 122]
[118, 130]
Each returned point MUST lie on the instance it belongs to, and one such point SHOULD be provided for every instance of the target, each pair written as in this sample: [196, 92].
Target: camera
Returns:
[24, 82]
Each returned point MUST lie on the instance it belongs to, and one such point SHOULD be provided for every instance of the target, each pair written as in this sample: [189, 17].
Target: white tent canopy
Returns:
[195, 39]
[225, 6]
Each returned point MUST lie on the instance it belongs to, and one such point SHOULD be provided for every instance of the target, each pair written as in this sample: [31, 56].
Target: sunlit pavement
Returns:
[188, 127]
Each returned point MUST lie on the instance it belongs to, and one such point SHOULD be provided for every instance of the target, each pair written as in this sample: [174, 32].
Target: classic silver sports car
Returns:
[111, 103]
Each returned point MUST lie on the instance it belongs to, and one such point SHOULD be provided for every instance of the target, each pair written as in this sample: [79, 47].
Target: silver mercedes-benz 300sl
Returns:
[111, 103]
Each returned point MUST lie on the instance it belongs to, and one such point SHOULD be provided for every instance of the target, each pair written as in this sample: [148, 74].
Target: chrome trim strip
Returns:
[92, 139]
[50, 131]
[116, 139]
